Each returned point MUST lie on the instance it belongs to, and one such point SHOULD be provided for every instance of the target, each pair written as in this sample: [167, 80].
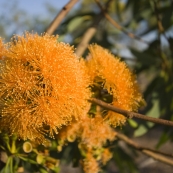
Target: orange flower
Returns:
[95, 132]
[90, 164]
[2, 48]
[117, 79]
[42, 86]
[92, 132]
[106, 156]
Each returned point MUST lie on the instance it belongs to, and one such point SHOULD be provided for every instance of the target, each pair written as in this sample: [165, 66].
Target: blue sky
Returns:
[31, 8]
[34, 7]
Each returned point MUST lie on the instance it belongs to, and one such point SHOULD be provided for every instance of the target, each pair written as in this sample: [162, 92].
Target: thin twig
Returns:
[129, 114]
[139, 147]
[158, 17]
[150, 152]
[161, 31]
[90, 32]
[60, 16]
[82, 46]
[119, 27]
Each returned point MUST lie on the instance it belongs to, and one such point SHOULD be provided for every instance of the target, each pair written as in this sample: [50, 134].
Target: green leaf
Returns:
[43, 170]
[133, 123]
[61, 37]
[164, 138]
[76, 23]
[144, 58]
[11, 165]
[153, 84]
[7, 167]
[28, 160]
[56, 169]
[154, 111]
[140, 131]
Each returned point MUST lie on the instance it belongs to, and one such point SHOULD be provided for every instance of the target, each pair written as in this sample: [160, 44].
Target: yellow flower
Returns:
[42, 86]
[117, 78]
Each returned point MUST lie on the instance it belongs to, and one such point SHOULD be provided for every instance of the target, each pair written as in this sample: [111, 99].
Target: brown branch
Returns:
[60, 16]
[161, 30]
[147, 151]
[158, 17]
[119, 27]
[129, 114]
[90, 32]
[137, 146]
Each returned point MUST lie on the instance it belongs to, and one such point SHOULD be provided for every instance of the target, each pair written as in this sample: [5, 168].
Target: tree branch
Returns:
[161, 31]
[158, 17]
[129, 114]
[119, 27]
[60, 16]
[90, 32]
[137, 146]
[147, 151]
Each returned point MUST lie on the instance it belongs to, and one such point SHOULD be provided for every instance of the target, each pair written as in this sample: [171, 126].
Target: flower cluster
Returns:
[92, 135]
[45, 88]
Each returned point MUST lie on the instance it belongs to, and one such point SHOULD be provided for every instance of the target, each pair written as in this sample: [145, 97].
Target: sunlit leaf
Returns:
[133, 123]
[140, 131]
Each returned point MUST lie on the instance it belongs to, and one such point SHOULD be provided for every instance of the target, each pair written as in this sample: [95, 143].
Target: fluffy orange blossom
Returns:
[42, 86]
[117, 79]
